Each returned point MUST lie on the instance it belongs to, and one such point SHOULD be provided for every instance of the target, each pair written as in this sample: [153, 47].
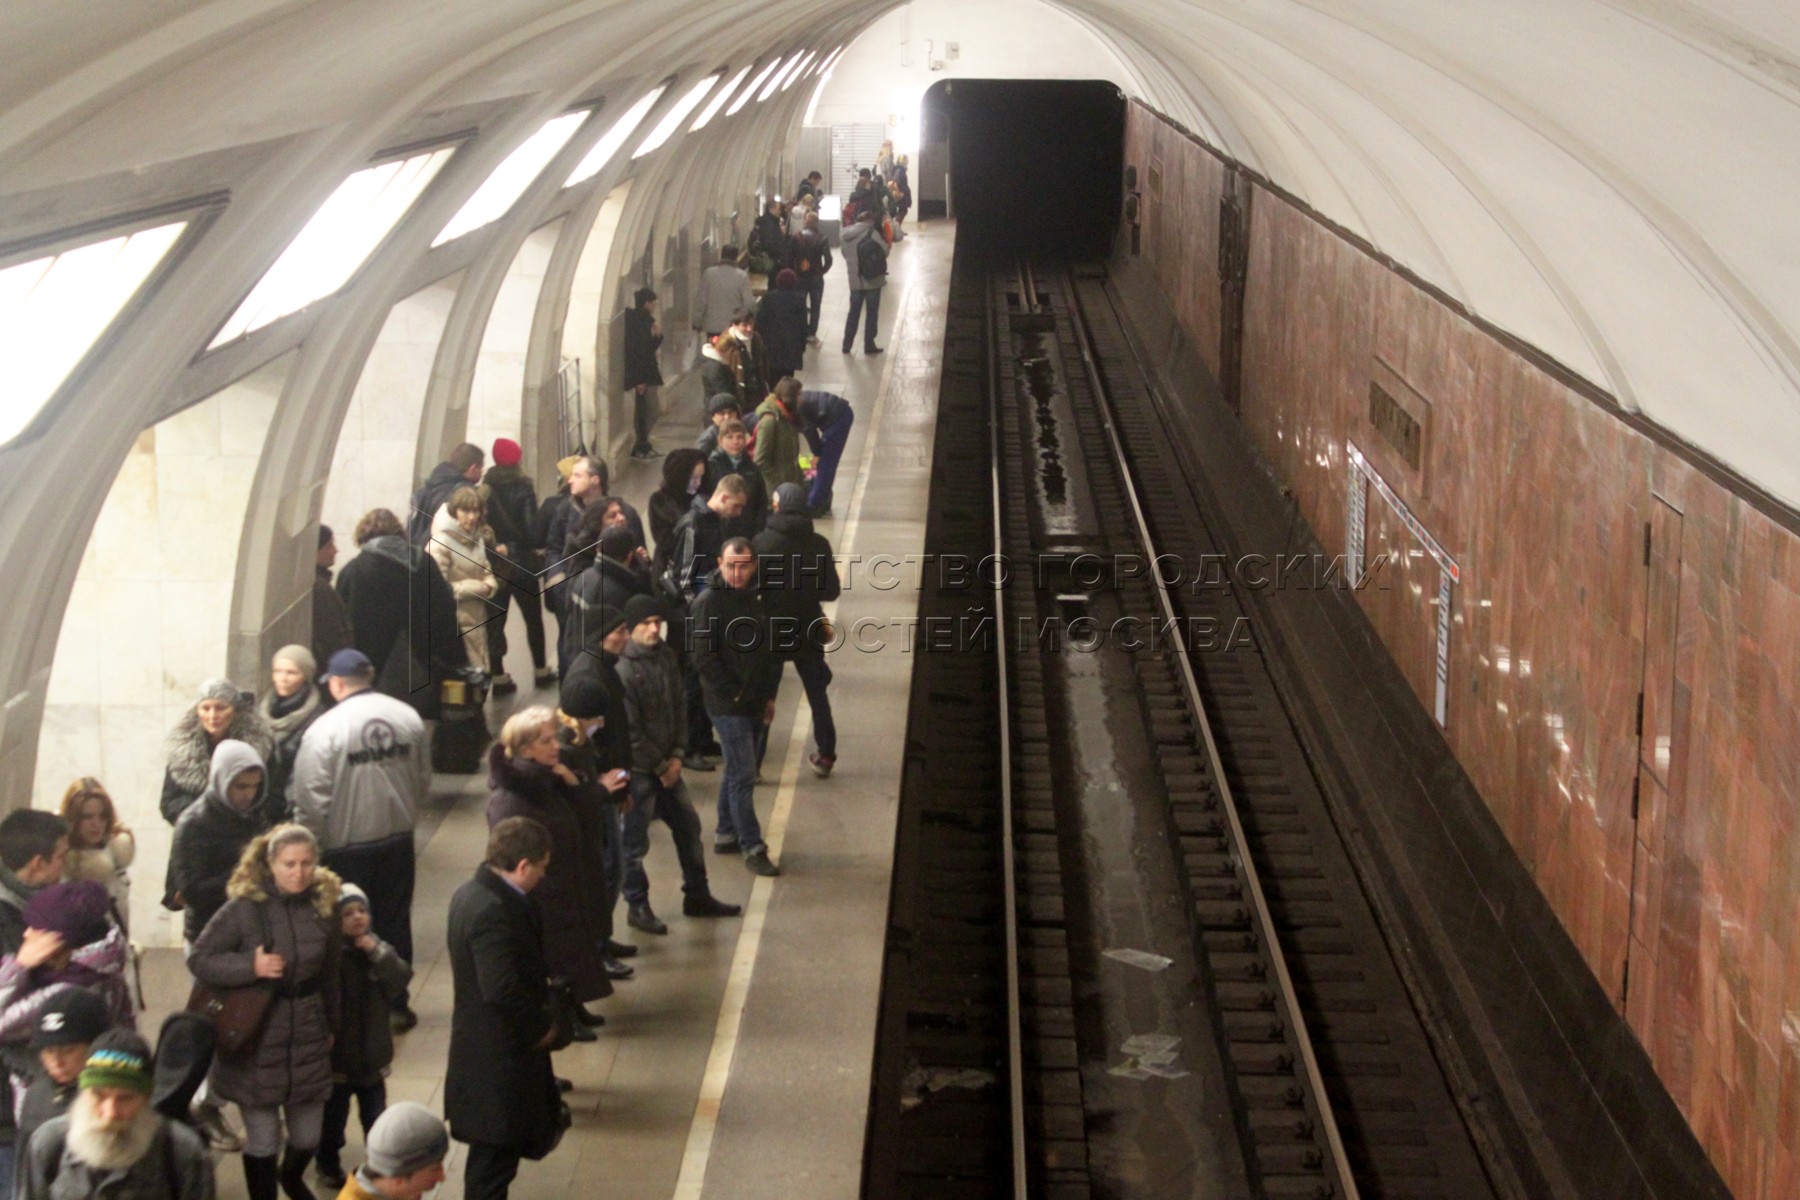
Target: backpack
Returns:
[871, 257]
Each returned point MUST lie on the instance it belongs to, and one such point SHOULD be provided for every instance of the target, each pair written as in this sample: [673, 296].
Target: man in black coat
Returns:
[700, 535]
[512, 511]
[643, 337]
[461, 469]
[728, 632]
[617, 574]
[499, 1092]
[796, 572]
[403, 612]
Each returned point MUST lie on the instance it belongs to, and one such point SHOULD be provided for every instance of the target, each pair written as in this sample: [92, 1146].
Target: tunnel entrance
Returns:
[1033, 164]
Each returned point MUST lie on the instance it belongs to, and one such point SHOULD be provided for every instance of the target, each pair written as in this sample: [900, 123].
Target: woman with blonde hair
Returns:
[279, 929]
[101, 848]
[289, 708]
[529, 779]
[459, 541]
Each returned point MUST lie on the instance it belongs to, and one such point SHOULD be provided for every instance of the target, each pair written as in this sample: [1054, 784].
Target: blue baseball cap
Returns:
[347, 663]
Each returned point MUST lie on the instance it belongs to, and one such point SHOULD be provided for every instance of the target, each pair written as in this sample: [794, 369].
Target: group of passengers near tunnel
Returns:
[294, 811]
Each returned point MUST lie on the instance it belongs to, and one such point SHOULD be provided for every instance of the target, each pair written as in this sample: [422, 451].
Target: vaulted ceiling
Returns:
[1611, 180]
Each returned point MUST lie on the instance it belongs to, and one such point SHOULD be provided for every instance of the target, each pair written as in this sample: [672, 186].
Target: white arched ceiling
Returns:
[1608, 180]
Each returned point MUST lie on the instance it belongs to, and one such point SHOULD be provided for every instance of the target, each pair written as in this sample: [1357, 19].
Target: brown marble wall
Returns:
[1545, 498]
[1179, 186]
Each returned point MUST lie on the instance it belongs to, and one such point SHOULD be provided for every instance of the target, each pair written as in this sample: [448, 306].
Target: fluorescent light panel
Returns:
[800, 73]
[53, 310]
[786, 70]
[718, 101]
[744, 96]
[665, 128]
[609, 143]
[336, 241]
[503, 188]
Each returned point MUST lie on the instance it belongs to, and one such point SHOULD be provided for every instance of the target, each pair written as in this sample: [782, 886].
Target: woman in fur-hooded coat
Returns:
[191, 747]
[291, 1063]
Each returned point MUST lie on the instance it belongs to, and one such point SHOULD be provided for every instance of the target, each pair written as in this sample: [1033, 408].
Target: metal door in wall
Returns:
[1659, 725]
[853, 147]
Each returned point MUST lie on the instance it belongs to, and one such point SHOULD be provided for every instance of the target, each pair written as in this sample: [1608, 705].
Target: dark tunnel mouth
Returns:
[1034, 165]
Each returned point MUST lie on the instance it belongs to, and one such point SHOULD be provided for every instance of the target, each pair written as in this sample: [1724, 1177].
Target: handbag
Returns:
[546, 1138]
[238, 1014]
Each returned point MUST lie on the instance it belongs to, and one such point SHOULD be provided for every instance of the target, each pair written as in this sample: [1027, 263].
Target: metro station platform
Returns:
[736, 1064]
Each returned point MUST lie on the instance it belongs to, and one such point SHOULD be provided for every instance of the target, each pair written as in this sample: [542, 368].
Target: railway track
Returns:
[1130, 957]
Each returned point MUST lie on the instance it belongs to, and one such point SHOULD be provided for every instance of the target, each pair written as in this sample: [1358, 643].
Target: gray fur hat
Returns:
[218, 688]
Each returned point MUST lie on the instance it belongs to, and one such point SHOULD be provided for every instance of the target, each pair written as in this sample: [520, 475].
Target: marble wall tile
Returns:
[1543, 497]
[150, 616]
[372, 463]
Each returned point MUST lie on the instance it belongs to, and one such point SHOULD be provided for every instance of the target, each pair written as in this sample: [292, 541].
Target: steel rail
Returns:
[1015, 1036]
[1340, 1165]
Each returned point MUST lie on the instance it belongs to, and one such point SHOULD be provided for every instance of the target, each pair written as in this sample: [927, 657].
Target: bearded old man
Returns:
[111, 1142]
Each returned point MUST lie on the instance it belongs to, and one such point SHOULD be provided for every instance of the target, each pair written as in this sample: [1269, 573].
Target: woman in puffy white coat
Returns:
[101, 848]
[459, 542]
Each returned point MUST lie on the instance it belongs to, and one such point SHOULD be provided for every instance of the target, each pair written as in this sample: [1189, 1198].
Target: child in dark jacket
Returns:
[66, 1027]
[374, 976]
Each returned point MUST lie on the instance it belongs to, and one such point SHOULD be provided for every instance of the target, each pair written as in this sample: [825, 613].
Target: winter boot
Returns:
[293, 1174]
[261, 1177]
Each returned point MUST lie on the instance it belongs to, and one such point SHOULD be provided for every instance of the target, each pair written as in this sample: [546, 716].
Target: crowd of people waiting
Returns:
[292, 858]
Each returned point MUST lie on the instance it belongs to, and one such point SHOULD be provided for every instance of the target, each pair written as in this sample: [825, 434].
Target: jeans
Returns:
[815, 303]
[815, 677]
[651, 801]
[737, 790]
[262, 1128]
[858, 298]
[385, 871]
[531, 607]
[490, 1171]
[828, 446]
[371, 1102]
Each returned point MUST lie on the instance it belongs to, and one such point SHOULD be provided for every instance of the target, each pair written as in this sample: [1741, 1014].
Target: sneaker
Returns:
[502, 684]
[759, 864]
[726, 845]
[698, 762]
[646, 454]
[210, 1121]
[642, 919]
[821, 765]
[331, 1175]
[544, 677]
[705, 905]
[402, 1019]
[813, 341]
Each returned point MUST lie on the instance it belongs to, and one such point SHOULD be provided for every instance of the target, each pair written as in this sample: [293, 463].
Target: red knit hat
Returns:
[507, 452]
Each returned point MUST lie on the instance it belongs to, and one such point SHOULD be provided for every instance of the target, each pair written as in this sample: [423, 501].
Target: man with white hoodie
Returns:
[361, 775]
